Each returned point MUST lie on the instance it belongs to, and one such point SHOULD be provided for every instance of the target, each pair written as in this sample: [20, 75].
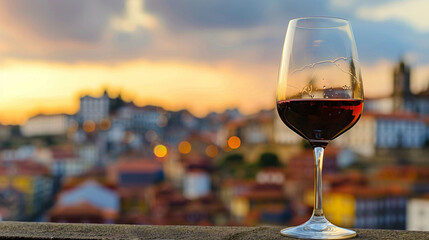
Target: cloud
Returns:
[50, 28]
[413, 12]
[77, 20]
[387, 29]
[189, 15]
[134, 17]
[247, 32]
[194, 14]
[233, 46]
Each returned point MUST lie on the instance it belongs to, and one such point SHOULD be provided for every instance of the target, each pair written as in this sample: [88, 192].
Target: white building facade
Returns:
[418, 214]
[93, 108]
[45, 125]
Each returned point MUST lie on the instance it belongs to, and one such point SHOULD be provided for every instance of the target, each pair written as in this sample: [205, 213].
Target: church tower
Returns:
[401, 86]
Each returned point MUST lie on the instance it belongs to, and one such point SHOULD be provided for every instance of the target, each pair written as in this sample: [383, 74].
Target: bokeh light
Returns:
[104, 124]
[160, 150]
[185, 147]
[89, 126]
[73, 126]
[151, 136]
[234, 142]
[162, 121]
[212, 151]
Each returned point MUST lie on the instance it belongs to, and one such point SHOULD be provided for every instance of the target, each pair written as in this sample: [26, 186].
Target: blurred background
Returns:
[162, 112]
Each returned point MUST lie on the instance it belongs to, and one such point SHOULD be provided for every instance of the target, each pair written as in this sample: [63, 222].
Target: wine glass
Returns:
[319, 96]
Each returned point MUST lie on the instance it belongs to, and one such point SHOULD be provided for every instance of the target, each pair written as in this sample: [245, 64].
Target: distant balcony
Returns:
[21, 230]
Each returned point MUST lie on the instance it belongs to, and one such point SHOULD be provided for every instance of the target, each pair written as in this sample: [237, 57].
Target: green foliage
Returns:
[233, 160]
[268, 159]
[306, 144]
[234, 165]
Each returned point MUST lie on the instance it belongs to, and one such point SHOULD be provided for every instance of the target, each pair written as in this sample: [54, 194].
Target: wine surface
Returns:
[320, 120]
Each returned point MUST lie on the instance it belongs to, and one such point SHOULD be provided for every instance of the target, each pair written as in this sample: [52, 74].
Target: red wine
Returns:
[320, 120]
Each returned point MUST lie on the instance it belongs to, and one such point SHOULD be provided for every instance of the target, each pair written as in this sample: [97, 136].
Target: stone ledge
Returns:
[21, 230]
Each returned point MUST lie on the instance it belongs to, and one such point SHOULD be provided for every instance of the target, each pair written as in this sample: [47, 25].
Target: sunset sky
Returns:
[200, 55]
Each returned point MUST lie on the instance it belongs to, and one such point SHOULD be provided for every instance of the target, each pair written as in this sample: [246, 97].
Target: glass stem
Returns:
[318, 165]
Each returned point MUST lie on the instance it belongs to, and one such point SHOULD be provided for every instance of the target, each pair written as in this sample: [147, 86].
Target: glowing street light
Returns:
[89, 126]
[212, 151]
[234, 142]
[185, 147]
[160, 150]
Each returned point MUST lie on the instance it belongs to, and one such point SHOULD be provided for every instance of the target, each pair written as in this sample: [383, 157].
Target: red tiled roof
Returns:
[63, 152]
[414, 173]
[131, 192]
[25, 167]
[264, 195]
[396, 115]
[80, 209]
[137, 165]
[370, 192]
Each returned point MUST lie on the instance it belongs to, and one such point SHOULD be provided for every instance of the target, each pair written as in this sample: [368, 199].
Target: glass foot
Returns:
[318, 227]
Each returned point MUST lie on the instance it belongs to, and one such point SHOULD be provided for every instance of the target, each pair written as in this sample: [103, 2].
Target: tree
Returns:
[233, 165]
[233, 161]
[268, 159]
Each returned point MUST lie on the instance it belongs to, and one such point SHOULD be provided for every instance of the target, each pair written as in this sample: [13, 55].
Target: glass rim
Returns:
[325, 22]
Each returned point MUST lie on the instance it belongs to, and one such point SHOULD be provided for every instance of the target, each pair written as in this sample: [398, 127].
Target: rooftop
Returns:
[20, 230]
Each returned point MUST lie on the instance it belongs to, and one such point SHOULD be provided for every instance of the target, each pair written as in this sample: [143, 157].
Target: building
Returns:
[82, 212]
[362, 206]
[5, 132]
[197, 179]
[380, 208]
[301, 166]
[421, 103]
[102, 204]
[362, 137]
[169, 207]
[284, 135]
[258, 128]
[89, 155]
[21, 153]
[141, 119]
[382, 105]
[418, 214]
[12, 204]
[93, 108]
[65, 162]
[402, 96]
[413, 179]
[134, 201]
[196, 183]
[33, 181]
[250, 202]
[46, 125]
[271, 175]
[380, 130]
[135, 172]
[403, 130]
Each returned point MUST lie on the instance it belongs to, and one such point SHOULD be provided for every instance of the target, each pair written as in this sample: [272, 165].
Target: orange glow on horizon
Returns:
[33, 87]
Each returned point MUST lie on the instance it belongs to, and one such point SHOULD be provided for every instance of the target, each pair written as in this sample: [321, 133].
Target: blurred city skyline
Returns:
[201, 142]
[184, 54]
